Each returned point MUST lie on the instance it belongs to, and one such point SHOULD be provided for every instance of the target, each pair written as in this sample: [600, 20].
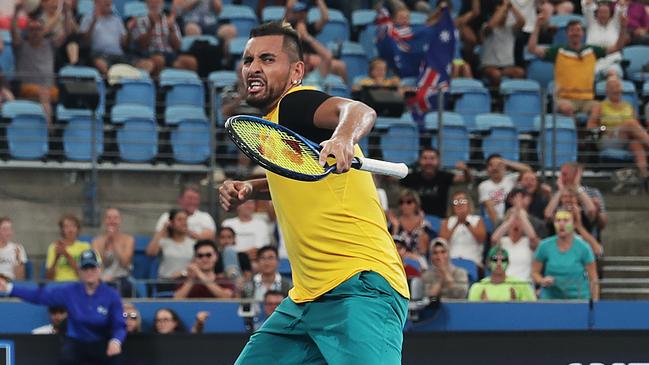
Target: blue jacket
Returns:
[96, 317]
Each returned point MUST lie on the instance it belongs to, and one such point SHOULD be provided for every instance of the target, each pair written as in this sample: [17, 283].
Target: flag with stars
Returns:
[435, 69]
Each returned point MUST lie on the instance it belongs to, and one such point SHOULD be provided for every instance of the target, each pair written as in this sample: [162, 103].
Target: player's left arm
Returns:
[350, 120]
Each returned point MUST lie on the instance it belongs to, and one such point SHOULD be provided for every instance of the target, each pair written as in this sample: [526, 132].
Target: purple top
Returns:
[637, 16]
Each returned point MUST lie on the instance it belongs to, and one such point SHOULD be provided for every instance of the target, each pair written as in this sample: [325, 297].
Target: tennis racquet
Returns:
[286, 153]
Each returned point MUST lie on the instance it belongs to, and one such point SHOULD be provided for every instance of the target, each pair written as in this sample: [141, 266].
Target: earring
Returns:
[295, 82]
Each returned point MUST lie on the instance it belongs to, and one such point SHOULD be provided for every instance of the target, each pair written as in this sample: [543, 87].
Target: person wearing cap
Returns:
[95, 327]
[500, 287]
[443, 279]
[564, 264]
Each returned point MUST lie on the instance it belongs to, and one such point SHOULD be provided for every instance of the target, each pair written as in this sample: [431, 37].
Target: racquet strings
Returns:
[277, 147]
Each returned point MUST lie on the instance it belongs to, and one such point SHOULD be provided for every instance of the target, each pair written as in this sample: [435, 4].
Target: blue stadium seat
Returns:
[29, 270]
[354, 56]
[241, 16]
[135, 9]
[284, 267]
[118, 6]
[455, 144]
[629, 92]
[137, 140]
[337, 28]
[77, 139]
[363, 17]
[187, 41]
[471, 99]
[11, 109]
[434, 221]
[400, 143]
[335, 86]
[63, 113]
[367, 38]
[237, 46]
[418, 18]
[566, 140]
[431, 120]
[540, 71]
[176, 114]
[135, 91]
[27, 137]
[7, 59]
[190, 141]
[501, 137]
[522, 102]
[182, 88]
[385, 122]
[470, 267]
[273, 13]
[219, 80]
[85, 7]
[122, 112]
[638, 56]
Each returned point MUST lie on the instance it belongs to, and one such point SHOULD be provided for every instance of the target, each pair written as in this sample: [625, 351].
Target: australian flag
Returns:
[435, 70]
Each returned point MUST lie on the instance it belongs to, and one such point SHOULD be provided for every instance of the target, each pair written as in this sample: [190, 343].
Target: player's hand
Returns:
[342, 149]
[232, 193]
[114, 348]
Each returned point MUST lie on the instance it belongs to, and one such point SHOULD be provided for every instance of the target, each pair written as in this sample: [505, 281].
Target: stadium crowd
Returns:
[521, 239]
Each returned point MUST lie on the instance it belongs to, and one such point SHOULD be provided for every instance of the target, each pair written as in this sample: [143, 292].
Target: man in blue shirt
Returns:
[96, 326]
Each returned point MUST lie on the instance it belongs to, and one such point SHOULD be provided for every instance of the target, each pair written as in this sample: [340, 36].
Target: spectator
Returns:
[57, 325]
[35, 53]
[619, 123]
[574, 65]
[443, 279]
[168, 322]
[234, 263]
[409, 223]
[499, 39]
[63, 254]
[267, 278]
[602, 30]
[494, 190]
[13, 256]
[318, 60]
[521, 199]
[272, 298]
[560, 7]
[133, 319]
[469, 14]
[251, 231]
[638, 22]
[528, 9]
[175, 244]
[432, 184]
[204, 14]
[500, 287]
[539, 194]
[517, 236]
[377, 77]
[413, 263]
[465, 232]
[105, 34]
[157, 37]
[201, 225]
[116, 250]
[5, 93]
[58, 17]
[202, 280]
[95, 326]
[296, 13]
[564, 265]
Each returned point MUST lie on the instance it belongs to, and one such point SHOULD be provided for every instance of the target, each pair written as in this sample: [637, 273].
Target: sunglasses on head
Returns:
[496, 257]
[460, 202]
[131, 315]
[201, 255]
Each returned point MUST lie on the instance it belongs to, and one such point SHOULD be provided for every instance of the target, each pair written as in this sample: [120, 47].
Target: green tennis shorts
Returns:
[358, 322]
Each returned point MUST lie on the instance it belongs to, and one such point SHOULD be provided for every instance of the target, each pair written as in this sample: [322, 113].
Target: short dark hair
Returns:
[429, 149]
[272, 292]
[267, 248]
[203, 243]
[190, 187]
[234, 234]
[492, 156]
[69, 217]
[292, 45]
[574, 22]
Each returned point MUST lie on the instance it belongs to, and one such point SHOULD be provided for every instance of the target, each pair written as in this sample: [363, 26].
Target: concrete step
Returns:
[616, 283]
[626, 271]
[625, 294]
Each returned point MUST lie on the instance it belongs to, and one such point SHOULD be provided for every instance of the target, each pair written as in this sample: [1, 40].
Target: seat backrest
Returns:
[541, 71]
[190, 93]
[502, 140]
[135, 9]
[190, 141]
[27, 136]
[363, 17]
[77, 139]
[187, 41]
[10, 109]
[336, 29]
[242, 17]
[471, 103]
[455, 144]
[637, 56]
[140, 92]
[176, 114]
[401, 143]
[137, 140]
[431, 120]
[367, 39]
[273, 13]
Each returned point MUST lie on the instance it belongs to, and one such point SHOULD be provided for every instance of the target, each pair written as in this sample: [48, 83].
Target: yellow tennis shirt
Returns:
[333, 229]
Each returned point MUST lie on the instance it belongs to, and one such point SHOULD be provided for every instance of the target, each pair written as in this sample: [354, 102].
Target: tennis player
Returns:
[349, 300]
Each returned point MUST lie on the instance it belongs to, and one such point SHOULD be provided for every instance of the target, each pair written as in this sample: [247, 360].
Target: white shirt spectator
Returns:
[528, 10]
[198, 222]
[603, 35]
[497, 192]
[463, 244]
[107, 34]
[175, 256]
[520, 257]
[249, 235]
[8, 258]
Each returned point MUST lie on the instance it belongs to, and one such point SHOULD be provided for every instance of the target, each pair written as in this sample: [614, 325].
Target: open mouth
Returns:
[255, 86]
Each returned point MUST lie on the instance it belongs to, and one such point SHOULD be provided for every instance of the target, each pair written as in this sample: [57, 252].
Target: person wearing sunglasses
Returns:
[96, 328]
[202, 280]
[409, 223]
[133, 318]
[500, 287]
[465, 232]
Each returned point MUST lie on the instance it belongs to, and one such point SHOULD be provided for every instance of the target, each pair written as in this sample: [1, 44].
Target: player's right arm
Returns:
[234, 192]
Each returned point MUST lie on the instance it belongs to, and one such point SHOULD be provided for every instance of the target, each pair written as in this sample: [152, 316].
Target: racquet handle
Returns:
[399, 170]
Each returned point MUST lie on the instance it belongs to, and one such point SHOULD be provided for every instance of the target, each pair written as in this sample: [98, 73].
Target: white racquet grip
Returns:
[399, 170]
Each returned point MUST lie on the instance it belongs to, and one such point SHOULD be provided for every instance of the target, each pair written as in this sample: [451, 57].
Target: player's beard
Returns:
[270, 97]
